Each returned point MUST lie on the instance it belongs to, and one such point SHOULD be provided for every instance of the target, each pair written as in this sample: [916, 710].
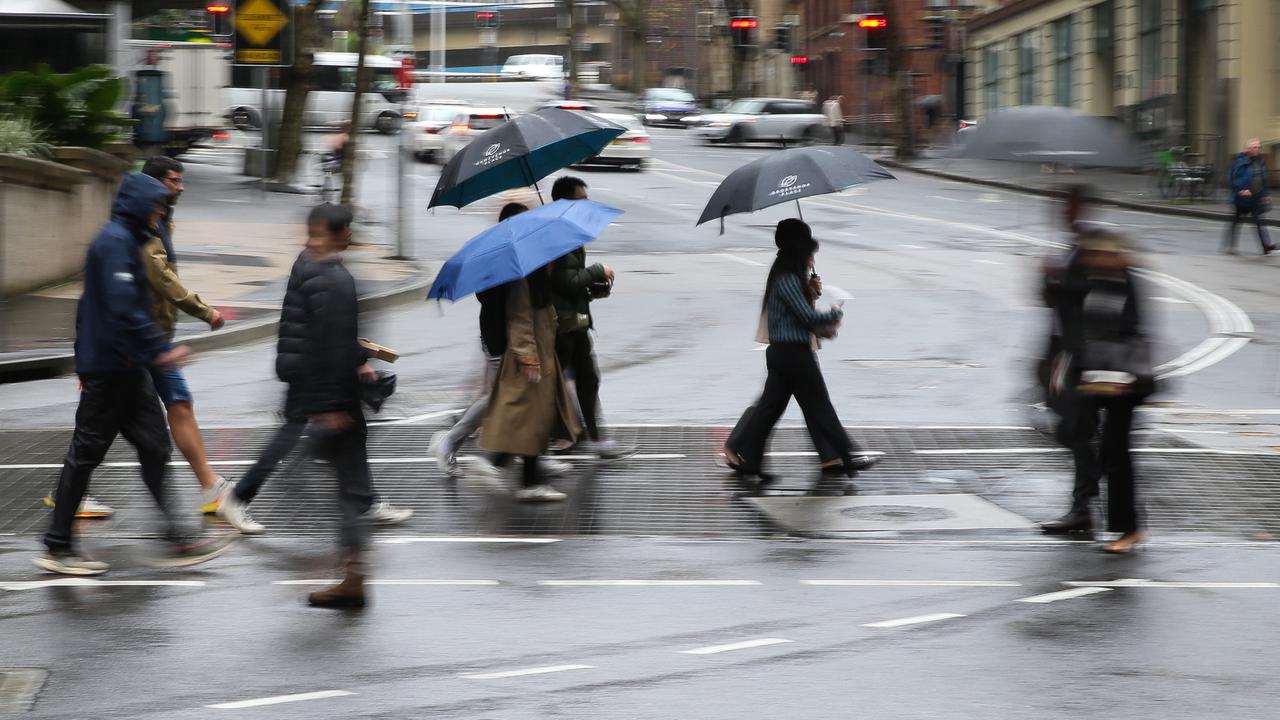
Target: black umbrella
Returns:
[1044, 134]
[790, 175]
[520, 152]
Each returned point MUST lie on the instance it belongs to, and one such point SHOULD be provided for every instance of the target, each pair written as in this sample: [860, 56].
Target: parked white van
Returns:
[535, 67]
[329, 102]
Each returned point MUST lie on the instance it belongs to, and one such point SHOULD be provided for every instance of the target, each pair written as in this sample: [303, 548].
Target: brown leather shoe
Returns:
[346, 594]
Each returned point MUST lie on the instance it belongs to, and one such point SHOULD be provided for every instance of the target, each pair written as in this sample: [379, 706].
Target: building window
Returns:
[1062, 61]
[991, 78]
[1027, 68]
[1152, 68]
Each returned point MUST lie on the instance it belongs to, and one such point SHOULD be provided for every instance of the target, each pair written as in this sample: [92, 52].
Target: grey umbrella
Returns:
[1044, 134]
[790, 175]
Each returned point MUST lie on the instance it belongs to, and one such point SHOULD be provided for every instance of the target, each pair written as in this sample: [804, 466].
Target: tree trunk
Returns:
[297, 85]
[362, 83]
[900, 76]
[571, 49]
[639, 58]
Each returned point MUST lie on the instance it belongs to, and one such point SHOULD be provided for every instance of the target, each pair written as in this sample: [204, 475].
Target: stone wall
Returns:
[49, 212]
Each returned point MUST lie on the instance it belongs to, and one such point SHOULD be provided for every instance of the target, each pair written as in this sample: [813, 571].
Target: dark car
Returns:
[666, 106]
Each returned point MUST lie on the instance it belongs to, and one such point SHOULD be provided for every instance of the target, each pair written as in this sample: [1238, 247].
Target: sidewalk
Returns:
[1112, 187]
[240, 268]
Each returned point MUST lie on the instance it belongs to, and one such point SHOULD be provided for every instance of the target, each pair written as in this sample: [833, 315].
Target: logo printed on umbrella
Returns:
[790, 185]
[492, 149]
[492, 155]
[788, 181]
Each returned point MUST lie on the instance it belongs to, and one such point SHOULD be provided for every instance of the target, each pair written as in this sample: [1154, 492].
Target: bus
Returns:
[333, 83]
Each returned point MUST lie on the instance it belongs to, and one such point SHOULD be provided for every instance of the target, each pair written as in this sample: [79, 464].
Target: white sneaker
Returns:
[443, 454]
[211, 497]
[484, 473]
[237, 515]
[69, 563]
[90, 509]
[611, 450]
[554, 468]
[540, 493]
[384, 513]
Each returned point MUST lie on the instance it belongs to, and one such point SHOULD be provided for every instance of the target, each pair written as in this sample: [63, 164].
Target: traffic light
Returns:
[218, 12]
[782, 38]
[487, 19]
[799, 59]
[744, 30]
[874, 28]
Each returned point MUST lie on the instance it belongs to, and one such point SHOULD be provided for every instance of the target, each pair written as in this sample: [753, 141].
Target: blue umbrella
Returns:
[519, 245]
[520, 152]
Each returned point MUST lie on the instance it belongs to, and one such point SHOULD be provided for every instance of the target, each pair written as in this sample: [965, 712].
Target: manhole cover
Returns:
[879, 513]
[897, 513]
[19, 686]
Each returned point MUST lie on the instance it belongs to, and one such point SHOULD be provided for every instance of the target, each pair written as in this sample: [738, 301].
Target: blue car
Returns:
[666, 106]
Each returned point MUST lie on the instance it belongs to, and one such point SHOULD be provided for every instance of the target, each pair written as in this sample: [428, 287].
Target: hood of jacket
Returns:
[137, 197]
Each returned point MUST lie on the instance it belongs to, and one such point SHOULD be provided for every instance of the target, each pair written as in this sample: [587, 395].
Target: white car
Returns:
[466, 124]
[424, 129]
[776, 120]
[629, 150]
[534, 67]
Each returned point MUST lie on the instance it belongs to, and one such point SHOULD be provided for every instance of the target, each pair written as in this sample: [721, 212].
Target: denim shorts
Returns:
[171, 385]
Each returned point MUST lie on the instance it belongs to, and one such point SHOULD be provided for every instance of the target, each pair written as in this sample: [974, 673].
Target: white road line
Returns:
[93, 582]
[1173, 301]
[991, 451]
[812, 453]
[989, 262]
[1207, 411]
[1139, 583]
[744, 645]
[410, 539]
[912, 247]
[912, 583]
[742, 260]
[839, 292]
[648, 583]
[372, 461]
[1063, 595]
[935, 617]
[392, 581]
[526, 671]
[278, 699]
[419, 418]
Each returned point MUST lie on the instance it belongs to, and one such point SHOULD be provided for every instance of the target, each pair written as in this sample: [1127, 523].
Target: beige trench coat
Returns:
[524, 416]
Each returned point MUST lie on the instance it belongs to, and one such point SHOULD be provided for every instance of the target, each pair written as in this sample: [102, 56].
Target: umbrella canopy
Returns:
[1043, 134]
[790, 175]
[519, 245]
[520, 152]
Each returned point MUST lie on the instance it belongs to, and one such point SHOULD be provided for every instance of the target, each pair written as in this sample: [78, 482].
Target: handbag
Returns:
[1116, 368]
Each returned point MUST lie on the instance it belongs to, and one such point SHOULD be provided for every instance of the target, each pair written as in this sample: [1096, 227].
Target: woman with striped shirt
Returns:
[794, 324]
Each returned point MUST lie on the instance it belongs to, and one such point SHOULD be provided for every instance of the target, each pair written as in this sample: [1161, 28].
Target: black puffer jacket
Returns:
[319, 351]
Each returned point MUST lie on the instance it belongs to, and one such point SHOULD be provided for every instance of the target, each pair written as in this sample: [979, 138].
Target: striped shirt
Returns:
[791, 316]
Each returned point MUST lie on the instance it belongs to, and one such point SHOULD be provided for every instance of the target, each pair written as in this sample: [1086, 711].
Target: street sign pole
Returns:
[263, 39]
[403, 217]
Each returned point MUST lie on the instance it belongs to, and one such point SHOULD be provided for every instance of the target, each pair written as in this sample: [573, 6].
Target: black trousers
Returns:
[1113, 459]
[111, 404]
[347, 452]
[282, 444]
[578, 362]
[1255, 212]
[793, 371]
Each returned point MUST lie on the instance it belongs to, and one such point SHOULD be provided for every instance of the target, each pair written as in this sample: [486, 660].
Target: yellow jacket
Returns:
[167, 292]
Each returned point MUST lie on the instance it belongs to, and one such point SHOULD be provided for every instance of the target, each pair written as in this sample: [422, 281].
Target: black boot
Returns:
[1074, 522]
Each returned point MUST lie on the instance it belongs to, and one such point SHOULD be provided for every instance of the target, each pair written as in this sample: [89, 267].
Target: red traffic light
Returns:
[743, 23]
[799, 59]
[875, 22]
[486, 15]
[218, 8]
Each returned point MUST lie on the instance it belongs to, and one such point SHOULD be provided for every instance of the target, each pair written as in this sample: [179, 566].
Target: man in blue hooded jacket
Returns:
[1248, 176]
[117, 343]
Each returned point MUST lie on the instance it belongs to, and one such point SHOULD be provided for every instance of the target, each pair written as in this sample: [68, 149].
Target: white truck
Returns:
[177, 92]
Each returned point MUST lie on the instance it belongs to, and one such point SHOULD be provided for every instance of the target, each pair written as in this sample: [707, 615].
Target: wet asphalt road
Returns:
[941, 320]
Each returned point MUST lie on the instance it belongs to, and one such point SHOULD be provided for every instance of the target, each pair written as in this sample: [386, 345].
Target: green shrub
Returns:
[18, 136]
[76, 108]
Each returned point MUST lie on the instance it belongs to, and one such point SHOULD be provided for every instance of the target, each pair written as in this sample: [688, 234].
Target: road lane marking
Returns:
[991, 451]
[391, 581]
[279, 699]
[740, 259]
[912, 583]
[1139, 583]
[372, 461]
[917, 620]
[1063, 595]
[419, 418]
[409, 539]
[93, 582]
[526, 671]
[744, 645]
[648, 583]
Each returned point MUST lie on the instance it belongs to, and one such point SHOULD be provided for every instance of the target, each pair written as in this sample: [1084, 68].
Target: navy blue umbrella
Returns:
[520, 152]
[519, 245]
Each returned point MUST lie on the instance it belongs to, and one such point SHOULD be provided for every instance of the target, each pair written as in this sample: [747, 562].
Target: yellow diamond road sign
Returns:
[259, 21]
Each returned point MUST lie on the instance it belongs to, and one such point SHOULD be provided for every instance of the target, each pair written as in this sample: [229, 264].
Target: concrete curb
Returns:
[47, 366]
[1048, 192]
